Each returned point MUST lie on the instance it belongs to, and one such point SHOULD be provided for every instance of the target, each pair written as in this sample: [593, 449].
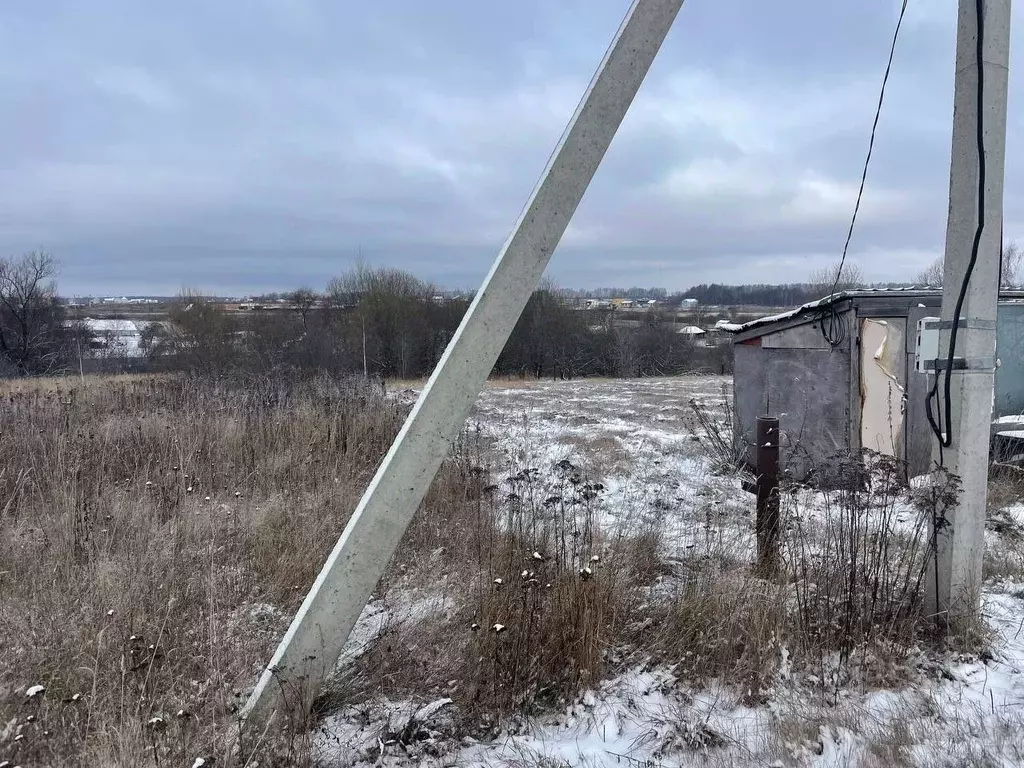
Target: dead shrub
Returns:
[715, 433]
[544, 599]
[858, 568]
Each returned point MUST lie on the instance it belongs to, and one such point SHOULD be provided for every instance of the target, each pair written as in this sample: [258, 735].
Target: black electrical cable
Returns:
[946, 437]
[832, 326]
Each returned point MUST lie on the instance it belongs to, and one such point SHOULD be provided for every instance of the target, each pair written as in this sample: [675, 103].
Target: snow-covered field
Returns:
[636, 437]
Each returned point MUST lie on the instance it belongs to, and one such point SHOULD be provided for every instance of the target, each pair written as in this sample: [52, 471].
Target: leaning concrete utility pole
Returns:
[960, 538]
[313, 643]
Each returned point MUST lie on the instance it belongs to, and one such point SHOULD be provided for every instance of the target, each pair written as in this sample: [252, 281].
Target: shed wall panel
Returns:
[749, 393]
[1009, 395]
[806, 336]
[808, 389]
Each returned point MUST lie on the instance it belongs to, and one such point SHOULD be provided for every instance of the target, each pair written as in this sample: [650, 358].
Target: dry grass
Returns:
[89, 380]
[155, 533]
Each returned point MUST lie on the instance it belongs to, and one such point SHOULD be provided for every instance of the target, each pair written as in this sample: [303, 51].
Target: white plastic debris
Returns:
[149, 483]
[425, 712]
[207, 498]
[199, 763]
[498, 628]
[499, 581]
[110, 612]
[34, 691]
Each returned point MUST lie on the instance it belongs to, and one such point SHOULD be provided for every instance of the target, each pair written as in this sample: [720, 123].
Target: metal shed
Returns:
[863, 392]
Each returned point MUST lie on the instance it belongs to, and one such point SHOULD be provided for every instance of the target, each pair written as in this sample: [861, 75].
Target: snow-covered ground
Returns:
[636, 437]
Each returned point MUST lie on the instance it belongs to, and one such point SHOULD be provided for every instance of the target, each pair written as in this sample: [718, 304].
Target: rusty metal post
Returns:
[767, 487]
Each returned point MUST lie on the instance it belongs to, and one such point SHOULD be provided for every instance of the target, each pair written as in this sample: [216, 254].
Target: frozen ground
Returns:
[636, 438]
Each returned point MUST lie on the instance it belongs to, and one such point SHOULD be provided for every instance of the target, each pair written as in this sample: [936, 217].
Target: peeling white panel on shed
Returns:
[882, 397]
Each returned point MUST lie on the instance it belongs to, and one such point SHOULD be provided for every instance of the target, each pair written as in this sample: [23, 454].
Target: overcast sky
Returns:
[259, 145]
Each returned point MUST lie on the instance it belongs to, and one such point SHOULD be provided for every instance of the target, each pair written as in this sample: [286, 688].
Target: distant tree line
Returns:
[616, 293]
[761, 295]
[387, 323]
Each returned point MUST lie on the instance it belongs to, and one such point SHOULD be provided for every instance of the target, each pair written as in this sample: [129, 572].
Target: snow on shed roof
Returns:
[908, 294]
[835, 298]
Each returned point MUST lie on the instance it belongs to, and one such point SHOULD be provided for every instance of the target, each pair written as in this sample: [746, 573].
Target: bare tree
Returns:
[1010, 266]
[202, 336]
[934, 275]
[392, 310]
[836, 278]
[31, 320]
[304, 300]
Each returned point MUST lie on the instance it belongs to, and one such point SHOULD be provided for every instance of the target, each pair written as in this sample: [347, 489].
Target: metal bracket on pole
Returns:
[972, 323]
[963, 364]
[313, 643]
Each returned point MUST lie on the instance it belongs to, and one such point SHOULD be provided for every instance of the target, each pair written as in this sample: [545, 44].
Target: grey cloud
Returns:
[250, 148]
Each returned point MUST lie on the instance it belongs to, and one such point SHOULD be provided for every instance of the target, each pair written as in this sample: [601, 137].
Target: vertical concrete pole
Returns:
[767, 523]
[954, 587]
[313, 642]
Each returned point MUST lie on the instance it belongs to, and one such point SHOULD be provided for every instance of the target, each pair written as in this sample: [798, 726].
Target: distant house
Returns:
[697, 335]
[689, 304]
